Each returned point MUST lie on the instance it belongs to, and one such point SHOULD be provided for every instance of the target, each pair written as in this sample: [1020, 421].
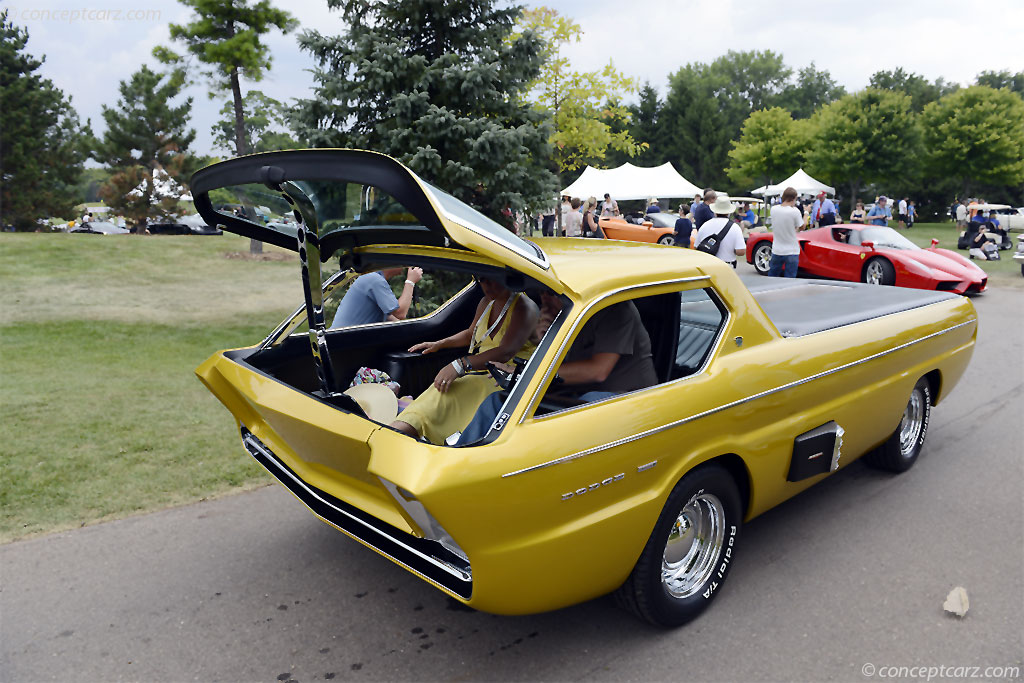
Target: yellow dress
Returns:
[437, 416]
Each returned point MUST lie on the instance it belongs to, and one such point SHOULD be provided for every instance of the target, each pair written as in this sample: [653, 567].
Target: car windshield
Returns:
[887, 238]
[663, 220]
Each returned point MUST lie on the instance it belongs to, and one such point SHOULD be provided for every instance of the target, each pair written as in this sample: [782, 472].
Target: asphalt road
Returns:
[848, 576]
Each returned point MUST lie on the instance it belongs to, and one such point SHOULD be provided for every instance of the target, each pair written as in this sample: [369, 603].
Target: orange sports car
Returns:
[656, 227]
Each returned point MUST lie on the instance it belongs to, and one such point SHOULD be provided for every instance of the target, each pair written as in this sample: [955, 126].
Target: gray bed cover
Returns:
[798, 307]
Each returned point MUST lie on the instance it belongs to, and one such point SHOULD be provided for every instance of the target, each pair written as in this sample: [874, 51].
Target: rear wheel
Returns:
[670, 240]
[688, 555]
[900, 452]
[763, 257]
[879, 271]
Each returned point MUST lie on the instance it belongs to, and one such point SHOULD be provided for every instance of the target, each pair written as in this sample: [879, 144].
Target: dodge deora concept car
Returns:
[760, 393]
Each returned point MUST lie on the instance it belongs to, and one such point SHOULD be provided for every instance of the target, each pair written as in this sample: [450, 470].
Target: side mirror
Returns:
[935, 243]
[868, 245]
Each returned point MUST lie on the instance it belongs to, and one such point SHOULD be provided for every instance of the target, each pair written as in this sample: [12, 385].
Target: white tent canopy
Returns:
[632, 182]
[799, 181]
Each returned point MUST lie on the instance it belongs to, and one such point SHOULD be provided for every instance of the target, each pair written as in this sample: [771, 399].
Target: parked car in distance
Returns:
[875, 255]
[1010, 218]
[192, 224]
[753, 395]
[99, 228]
[657, 228]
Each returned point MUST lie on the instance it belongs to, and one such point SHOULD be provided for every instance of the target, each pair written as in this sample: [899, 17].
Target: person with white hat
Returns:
[730, 244]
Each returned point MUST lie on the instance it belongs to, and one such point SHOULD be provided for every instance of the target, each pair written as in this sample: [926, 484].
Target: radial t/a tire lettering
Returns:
[690, 552]
[900, 451]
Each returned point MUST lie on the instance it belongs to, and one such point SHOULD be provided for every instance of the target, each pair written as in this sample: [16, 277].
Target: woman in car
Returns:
[500, 330]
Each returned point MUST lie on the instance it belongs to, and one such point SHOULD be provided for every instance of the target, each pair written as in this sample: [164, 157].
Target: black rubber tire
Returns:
[888, 271]
[643, 593]
[670, 240]
[764, 246]
[891, 456]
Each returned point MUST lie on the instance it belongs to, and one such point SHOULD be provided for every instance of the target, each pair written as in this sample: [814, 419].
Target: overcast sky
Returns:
[90, 45]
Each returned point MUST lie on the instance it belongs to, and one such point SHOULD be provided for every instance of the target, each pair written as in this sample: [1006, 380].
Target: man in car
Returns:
[370, 300]
[611, 355]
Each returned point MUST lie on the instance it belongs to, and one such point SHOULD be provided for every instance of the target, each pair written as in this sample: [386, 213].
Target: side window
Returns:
[657, 339]
[700, 321]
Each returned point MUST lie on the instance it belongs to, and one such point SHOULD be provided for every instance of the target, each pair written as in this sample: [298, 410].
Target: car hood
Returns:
[947, 261]
[361, 200]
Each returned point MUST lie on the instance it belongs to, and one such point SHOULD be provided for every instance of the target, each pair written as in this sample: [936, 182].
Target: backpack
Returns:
[710, 244]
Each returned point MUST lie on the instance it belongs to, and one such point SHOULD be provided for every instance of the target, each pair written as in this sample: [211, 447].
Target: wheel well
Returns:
[935, 384]
[738, 469]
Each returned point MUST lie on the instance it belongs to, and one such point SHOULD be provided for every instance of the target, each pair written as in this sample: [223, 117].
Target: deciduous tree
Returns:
[588, 120]
[976, 135]
[439, 85]
[1003, 79]
[868, 137]
[771, 146]
[921, 91]
[42, 144]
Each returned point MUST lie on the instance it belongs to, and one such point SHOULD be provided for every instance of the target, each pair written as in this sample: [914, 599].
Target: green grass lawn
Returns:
[99, 337]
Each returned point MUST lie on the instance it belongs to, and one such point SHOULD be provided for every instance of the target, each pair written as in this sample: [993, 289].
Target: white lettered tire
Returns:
[690, 552]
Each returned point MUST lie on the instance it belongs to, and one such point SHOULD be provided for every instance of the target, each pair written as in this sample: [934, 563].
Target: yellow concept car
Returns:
[759, 392]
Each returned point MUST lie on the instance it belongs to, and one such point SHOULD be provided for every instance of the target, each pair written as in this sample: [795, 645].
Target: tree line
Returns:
[476, 97]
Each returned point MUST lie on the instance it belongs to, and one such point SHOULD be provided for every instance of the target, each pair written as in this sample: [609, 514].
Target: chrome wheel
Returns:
[668, 240]
[912, 424]
[874, 273]
[763, 259]
[693, 546]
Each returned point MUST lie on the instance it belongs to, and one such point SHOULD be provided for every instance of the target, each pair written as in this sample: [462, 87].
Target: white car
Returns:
[1009, 217]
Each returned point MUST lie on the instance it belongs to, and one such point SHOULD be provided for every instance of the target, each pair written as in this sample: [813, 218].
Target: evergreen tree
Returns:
[145, 147]
[644, 127]
[441, 86]
[226, 37]
[42, 144]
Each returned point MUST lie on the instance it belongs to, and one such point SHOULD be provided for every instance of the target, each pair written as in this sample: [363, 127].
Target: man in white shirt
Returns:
[732, 244]
[903, 213]
[961, 214]
[786, 222]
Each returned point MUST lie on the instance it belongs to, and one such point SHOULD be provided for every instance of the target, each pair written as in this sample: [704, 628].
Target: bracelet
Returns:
[466, 364]
[457, 366]
[410, 282]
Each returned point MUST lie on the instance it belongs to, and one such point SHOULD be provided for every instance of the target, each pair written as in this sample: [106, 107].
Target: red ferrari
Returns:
[874, 254]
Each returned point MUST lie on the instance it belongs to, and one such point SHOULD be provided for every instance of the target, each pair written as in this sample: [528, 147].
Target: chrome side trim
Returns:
[535, 399]
[733, 404]
[289, 479]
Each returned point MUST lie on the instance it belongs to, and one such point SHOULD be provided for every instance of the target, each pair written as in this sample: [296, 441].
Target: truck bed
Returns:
[800, 307]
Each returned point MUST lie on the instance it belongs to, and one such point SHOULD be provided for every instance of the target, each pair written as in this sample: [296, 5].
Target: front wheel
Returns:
[763, 257]
[669, 240]
[879, 272]
[688, 555]
[900, 451]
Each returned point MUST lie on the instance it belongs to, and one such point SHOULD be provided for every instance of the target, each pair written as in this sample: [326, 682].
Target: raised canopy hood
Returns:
[361, 199]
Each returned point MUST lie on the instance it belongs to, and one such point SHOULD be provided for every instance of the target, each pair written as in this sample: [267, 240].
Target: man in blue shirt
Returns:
[653, 208]
[880, 213]
[703, 212]
[369, 298]
[824, 211]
